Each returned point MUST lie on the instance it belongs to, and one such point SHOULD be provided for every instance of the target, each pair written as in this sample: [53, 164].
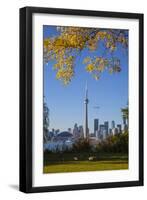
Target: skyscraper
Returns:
[106, 124]
[113, 124]
[110, 131]
[96, 126]
[75, 130]
[119, 128]
[81, 132]
[86, 101]
[114, 131]
[102, 130]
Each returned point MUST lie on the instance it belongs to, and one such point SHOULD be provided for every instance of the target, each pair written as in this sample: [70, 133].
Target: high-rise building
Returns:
[115, 131]
[104, 134]
[75, 131]
[113, 124]
[106, 124]
[119, 128]
[81, 131]
[102, 130]
[110, 131]
[102, 127]
[97, 134]
[86, 101]
[96, 126]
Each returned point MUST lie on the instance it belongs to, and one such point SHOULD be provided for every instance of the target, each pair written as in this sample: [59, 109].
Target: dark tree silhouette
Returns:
[45, 122]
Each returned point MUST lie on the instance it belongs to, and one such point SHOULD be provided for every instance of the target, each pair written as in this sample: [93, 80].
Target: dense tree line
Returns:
[112, 144]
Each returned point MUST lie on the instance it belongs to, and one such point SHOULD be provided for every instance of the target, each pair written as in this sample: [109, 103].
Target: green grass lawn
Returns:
[79, 166]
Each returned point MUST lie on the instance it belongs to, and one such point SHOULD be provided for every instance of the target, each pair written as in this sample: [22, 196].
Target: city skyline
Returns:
[65, 103]
[107, 125]
[70, 129]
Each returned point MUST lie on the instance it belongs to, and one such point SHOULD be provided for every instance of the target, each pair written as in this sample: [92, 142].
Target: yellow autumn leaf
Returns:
[90, 67]
[69, 43]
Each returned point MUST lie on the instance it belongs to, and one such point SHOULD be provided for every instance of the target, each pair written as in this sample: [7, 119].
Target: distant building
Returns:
[53, 131]
[81, 131]
[63, 136]
[102, 131]
[97, 134]
[114, 131]
[110, 131]
[113, 124]
[96, 126]
[119, 128]
[69, 130]
[91, 135]
[75, 131]
[106, 124]
[102, 127]
[56, 132]
[61, 142]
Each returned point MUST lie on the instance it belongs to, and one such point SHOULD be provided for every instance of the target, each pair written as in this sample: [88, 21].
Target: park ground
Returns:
[105, 162]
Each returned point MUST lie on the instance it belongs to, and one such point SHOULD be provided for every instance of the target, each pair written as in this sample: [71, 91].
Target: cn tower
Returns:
[86, 101]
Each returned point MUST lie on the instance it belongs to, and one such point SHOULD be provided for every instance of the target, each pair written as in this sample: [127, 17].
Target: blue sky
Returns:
[66, 103]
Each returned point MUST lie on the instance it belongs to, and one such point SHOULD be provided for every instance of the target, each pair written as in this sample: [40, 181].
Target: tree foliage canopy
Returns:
[70, 41]
[114, 143]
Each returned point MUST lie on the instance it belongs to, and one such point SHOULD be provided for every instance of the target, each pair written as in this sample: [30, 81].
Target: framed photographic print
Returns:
[81, 99]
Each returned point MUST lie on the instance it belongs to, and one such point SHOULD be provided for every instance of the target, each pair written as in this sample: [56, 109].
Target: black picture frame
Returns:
[26, 91]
